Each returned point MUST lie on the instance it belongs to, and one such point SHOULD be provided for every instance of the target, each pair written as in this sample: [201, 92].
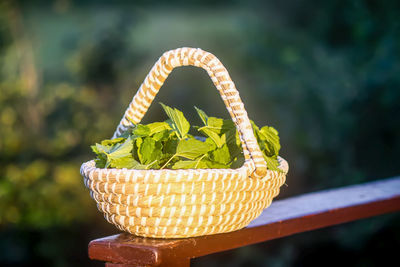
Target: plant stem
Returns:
[149, 165]
[198, 161]
[168, 162]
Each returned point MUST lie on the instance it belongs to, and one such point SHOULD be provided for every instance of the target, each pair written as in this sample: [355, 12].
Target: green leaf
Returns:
[178, 121]
[214, 127]
[187, 148]
[112, 151]
[272, 163]
[101, 161]
[217, 125]
[198, 164]
[170, 146]
[162, 136]
[126, 162]
[95, 149]
[112, 141]
[188, 164]
[211, 143]
[150, 151]
[192, 148]
[121, 149]
[237, 162]
[203, 116]
[255, 127]
[231, 138]
[157, 127]
[270, 135]
[141, 130]
[215, 165]
[221, 155]
[136, 149]
[117, 149]
[220, 126]
[213, 135]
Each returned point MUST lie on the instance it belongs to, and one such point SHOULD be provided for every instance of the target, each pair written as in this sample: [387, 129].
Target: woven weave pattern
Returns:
[184, 203]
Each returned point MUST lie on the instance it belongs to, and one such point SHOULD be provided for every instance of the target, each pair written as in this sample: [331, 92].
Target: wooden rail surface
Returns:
[284, 217]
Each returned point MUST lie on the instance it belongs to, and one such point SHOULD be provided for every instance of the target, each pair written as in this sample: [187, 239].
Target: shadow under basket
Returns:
[188, 202]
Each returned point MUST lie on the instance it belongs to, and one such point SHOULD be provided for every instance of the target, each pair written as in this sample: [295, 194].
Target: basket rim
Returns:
[283, 168]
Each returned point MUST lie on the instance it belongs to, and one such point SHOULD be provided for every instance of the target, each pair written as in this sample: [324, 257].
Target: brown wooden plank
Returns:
[282, 218]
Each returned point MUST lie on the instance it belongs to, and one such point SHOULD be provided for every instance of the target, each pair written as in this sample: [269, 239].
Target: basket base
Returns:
[184, 232]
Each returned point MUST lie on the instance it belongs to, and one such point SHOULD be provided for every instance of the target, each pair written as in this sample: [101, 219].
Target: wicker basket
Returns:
[186, 203]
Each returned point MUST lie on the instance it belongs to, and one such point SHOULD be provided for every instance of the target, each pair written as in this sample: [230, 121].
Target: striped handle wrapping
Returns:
[221, 79]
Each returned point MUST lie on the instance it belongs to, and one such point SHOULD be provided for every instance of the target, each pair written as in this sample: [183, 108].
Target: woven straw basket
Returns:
[188, 202]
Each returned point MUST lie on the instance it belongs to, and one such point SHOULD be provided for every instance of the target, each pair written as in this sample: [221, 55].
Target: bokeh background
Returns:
[326, 74]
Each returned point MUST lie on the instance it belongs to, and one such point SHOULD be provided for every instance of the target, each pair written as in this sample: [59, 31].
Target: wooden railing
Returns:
[283, 218]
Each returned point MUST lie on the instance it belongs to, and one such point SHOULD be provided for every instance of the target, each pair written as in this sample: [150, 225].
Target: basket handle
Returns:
[254, 159]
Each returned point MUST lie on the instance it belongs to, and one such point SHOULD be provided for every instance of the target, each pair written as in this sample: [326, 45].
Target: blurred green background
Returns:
[326, 74]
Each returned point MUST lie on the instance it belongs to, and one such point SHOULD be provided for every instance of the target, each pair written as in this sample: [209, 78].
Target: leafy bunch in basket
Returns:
[168, 145]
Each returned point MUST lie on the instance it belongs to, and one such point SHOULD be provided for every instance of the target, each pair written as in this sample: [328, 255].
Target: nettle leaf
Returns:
[214, 127]
[101, 160]
[268, 141]
[270, 135]
[177, 121]
[136, 148]
[189, 164]
[157, 127]
[188, 148]
[211, 143]
[218, 140]
[170, 146]
[237, 162]
[162, 136]
[141, 130]
[203, 116]
[214, 124]
[115, 150]
[121, 149]
[232, 140]
[232, 137]
[256, 129]
[112, 141]
[95, 149]
[192, 148]
[221, 155]
[150, 151]
[102, 149]
[219, 126]
[214, 165]
[272, 163]
[198, 164]
[126, 162]
[112, 151]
